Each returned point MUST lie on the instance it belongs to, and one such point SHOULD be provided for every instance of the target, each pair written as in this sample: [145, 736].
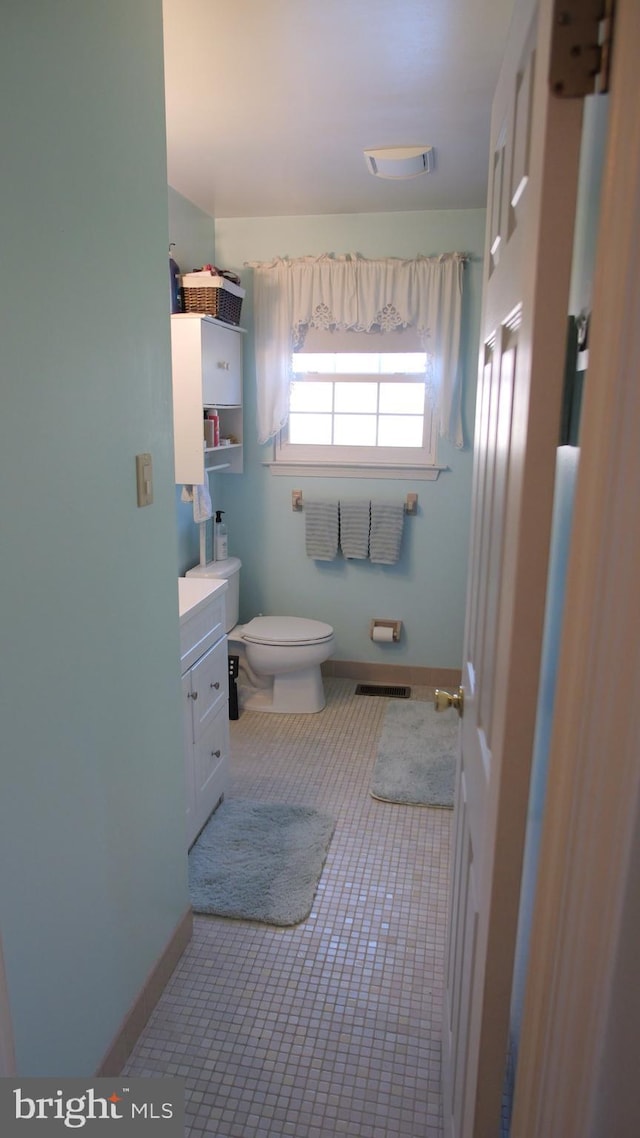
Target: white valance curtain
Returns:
[352, 292]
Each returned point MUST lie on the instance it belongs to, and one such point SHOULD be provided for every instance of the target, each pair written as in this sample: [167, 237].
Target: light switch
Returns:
[144, 479]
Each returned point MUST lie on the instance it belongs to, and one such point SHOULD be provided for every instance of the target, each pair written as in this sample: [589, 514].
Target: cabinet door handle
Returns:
[216, 754]
[224, 364]
[216, 685]
[193, 695]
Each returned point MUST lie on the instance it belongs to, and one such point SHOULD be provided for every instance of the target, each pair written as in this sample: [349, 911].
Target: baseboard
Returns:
[392, 673]
[145, 1002]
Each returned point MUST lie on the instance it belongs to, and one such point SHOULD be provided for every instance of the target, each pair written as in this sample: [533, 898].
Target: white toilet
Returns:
[280, 656]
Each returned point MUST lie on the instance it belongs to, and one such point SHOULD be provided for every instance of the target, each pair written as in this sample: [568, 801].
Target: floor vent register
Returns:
[391, 691]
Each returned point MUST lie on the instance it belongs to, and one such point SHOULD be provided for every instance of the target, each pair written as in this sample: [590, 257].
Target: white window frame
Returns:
[358, 461]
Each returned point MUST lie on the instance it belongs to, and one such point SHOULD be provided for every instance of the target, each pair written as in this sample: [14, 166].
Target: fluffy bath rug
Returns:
[416, 761]
[259, 861]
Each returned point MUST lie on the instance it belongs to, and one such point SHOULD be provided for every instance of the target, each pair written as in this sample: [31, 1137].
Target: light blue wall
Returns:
[92, 857]
[427, 588]
[192, 231]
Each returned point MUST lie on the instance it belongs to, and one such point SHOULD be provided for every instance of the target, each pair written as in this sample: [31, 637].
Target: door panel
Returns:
[532, 190]
[502, 378]
[460, 964]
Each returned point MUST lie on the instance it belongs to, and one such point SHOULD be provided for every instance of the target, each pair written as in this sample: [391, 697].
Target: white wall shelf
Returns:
[206, 358]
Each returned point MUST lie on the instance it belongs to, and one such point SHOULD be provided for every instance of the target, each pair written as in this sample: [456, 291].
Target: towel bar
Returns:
[410, 504]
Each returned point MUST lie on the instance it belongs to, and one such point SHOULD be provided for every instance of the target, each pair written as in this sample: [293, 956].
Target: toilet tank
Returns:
[229, 571]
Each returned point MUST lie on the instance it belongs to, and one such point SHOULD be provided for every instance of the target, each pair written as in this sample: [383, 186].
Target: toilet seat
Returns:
[286, 630]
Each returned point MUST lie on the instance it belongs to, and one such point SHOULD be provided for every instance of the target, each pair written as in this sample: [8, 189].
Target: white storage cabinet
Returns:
[206, 362]
[205, 692]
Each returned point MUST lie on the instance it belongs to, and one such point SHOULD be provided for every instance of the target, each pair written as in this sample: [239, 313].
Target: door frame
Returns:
[575, 1023]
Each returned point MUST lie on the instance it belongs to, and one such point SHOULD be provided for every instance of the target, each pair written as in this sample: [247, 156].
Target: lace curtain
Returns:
[354, 293]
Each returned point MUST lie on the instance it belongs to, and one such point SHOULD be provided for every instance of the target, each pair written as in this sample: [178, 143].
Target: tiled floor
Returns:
[331, 1027]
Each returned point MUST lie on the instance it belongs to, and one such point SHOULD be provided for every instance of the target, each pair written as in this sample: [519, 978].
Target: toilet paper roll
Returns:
[382, 632]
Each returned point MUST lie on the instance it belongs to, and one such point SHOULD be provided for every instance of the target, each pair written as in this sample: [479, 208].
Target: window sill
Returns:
[355, 470]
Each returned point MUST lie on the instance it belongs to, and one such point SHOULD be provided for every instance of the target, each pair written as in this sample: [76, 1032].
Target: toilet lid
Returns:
[286, 630]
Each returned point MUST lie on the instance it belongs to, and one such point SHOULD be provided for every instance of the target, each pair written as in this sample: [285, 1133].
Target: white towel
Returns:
[321, 530]
[385, 537]
[201, 498]
[354, 529]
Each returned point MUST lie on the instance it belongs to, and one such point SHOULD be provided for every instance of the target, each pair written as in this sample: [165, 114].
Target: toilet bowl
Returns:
[282, 658]
[279, 656]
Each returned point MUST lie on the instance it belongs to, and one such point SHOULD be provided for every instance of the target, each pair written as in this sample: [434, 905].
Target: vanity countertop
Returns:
[195, 592]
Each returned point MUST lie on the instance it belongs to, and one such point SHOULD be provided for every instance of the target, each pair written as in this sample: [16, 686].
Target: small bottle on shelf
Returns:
[212, 429]
[220, 539]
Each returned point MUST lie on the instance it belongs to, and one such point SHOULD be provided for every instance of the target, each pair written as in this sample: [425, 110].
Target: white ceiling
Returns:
[270, 103]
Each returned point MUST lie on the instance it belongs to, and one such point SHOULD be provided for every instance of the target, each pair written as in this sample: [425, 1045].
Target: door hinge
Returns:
[581, 47]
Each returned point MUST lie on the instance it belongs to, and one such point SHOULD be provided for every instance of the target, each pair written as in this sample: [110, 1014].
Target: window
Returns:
[360, 400]
[392, 297]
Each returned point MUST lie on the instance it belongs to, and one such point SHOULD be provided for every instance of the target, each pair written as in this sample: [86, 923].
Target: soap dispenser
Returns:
[220, 540]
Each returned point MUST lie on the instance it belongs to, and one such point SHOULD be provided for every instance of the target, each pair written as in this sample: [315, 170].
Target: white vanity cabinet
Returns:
[205, 693]
[206, 362]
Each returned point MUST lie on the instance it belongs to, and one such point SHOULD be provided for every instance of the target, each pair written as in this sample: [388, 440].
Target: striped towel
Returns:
[385, 537]
[354, 529]
[321, 530]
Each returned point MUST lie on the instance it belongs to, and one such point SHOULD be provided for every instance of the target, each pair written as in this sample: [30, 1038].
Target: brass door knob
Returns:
[443, 700]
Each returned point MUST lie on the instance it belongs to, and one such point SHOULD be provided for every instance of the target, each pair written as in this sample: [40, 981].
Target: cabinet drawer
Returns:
[199, 631]
[209, 685]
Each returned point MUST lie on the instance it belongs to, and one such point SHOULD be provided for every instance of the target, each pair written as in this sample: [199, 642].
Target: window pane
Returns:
[356, 397]
[310, 396]
[355, 430]
[314, 361]
[312, 429]
[415, 363]
[400, 431]
[407, 398]
[358, 363]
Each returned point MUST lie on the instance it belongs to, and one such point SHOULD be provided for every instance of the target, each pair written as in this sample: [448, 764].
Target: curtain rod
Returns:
[355, 258]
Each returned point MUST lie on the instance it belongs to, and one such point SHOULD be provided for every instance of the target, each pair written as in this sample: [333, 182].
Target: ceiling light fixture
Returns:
[400, 161]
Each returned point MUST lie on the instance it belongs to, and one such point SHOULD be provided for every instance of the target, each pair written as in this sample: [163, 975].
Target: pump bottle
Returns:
[220, 540]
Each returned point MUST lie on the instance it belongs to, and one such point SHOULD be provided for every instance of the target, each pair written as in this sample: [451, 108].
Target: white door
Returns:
[532, 193]
[577, 1061]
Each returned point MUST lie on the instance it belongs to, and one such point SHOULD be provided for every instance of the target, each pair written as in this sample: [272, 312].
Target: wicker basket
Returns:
[212, 296]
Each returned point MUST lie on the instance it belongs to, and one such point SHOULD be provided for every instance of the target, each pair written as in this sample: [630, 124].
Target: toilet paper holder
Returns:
[394, 625]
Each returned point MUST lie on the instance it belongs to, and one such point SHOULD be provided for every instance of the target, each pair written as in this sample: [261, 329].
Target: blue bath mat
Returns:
[417, 751]
[259, 861]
